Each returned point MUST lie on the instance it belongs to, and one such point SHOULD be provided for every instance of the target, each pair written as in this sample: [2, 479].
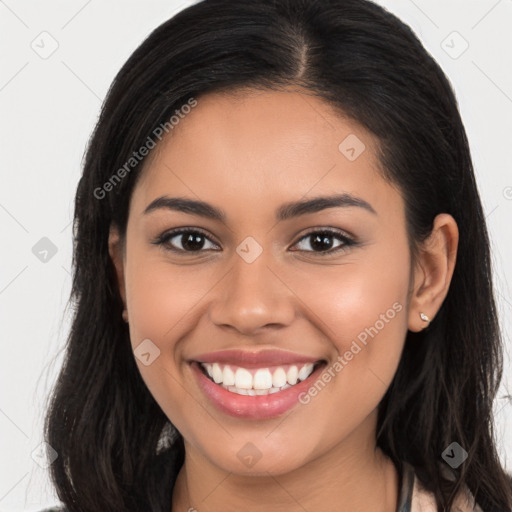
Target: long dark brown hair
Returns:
[368, 65]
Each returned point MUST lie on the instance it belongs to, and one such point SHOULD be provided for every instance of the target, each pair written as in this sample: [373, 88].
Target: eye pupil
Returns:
[319, 241]
[192, 241]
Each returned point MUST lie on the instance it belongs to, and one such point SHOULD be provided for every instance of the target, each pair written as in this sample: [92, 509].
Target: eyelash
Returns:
[163, 240]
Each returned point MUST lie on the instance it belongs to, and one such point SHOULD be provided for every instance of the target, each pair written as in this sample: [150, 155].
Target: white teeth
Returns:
[292, 375]
[243, 379]
[240, 380]
[305, 371]
[228, 376]
[254, 392]
[216, 373]
[279, 378]
[263, 379]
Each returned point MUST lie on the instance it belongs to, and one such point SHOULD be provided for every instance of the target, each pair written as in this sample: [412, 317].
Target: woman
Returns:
[282, 276]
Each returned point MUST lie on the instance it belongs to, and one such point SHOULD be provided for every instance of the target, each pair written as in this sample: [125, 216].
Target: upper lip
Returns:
[262, 358]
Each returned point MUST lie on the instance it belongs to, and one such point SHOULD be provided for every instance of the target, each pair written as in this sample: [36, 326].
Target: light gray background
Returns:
[49, 104]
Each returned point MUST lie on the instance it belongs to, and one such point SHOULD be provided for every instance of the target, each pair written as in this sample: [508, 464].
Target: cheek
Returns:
[163, 302]
[363, 314]
[361, 307]
[349, 298]
[162, 297]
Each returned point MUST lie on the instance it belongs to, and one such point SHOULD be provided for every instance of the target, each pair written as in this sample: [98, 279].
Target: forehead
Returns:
[256, 148]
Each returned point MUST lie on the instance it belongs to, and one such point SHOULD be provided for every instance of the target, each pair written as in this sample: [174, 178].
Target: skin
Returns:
[248, 154]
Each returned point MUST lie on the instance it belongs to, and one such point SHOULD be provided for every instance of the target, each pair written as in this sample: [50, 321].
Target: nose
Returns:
[252, 297]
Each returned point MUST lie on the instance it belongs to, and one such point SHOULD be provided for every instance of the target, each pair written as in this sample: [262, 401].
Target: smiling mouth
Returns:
[257, 381]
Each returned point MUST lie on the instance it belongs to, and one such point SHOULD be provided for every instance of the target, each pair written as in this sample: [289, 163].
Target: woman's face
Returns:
[265, 278]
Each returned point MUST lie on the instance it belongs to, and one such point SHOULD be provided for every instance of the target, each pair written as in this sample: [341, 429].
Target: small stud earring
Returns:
[125, 315]
[425, 318]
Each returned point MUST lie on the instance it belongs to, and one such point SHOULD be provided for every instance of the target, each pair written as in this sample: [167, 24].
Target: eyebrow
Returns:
[284, 212]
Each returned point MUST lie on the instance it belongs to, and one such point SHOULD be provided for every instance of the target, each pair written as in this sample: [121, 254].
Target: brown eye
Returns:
[185, 240]
[322, 241]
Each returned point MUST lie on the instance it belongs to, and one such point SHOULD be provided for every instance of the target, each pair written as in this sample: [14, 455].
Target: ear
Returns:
[433, 271]
[116, 250]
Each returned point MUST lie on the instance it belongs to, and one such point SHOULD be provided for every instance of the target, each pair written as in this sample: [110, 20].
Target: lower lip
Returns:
[253, 407]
